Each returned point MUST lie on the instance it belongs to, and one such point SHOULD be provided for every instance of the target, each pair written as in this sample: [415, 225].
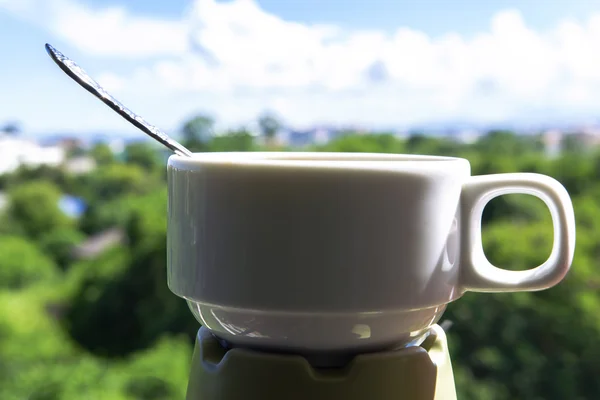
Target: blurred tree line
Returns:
[84, 320]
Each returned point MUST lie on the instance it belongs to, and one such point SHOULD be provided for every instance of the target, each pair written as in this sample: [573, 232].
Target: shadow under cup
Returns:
[315, 252]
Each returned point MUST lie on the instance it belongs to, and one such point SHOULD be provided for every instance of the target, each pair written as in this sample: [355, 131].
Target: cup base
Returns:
[329, 359]
[316, 333]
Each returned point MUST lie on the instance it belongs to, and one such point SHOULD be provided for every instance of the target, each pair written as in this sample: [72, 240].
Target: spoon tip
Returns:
[52, 52]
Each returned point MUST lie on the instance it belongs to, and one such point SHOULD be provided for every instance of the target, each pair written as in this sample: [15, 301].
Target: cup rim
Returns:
[311, 159]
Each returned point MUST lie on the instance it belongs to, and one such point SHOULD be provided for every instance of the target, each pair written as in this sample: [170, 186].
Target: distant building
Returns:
[16, 151]
[299, 138]
[303, 138]
[552, 140]
[402, 135]
[582, 139]
[96, 244]
[468, 136]
[321, 136]
[68, 143]
[117, 146]
[72, 206]
[79, 165]
[589, 137]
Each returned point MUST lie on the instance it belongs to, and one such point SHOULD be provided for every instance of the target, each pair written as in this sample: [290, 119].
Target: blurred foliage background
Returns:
[85, 311]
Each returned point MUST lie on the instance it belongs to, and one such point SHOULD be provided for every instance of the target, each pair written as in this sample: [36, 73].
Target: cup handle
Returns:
[477, 274]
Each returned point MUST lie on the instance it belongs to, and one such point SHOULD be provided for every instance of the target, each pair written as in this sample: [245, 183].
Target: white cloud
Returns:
[237, 53]
[109, 31]
[113, 31]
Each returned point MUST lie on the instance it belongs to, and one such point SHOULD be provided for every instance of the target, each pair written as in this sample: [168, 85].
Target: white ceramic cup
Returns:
[340, 251]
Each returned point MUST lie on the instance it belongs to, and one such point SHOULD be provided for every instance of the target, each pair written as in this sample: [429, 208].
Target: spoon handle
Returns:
[77, 73]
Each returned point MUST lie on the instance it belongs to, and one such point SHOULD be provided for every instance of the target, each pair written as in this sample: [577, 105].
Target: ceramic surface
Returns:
[345, 251]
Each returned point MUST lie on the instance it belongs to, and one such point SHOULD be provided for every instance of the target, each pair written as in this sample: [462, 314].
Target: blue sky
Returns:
[378, 63]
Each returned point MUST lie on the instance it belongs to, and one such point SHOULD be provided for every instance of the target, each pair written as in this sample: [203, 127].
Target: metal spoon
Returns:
[77, 73]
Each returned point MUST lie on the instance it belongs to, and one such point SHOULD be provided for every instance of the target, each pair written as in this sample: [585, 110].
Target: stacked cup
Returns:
[340, 252]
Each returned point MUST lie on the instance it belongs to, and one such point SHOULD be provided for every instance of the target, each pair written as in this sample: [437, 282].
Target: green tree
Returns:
[572, 143]
[424, 144]
[108, 190]
[25, 173]
[238, 140]
[269, 125]
[143, 155]
[103, 215]
[99, 318]
[382, 143]
[575, 171]
[118, 180]
[60, 243]
[102, 154]
[523, 345]
[34, 206]
[197, 131]
[23, 264]
[508, 143]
